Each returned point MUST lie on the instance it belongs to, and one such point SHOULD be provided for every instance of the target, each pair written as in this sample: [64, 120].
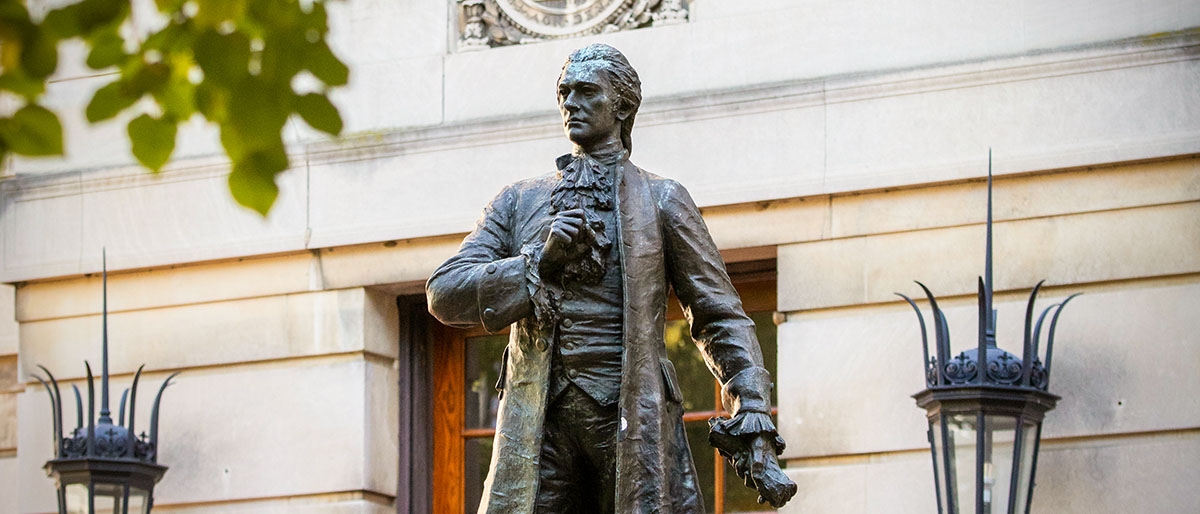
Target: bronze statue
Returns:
[579, 262]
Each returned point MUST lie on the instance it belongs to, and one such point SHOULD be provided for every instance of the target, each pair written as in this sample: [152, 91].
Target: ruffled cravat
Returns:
[584, 185]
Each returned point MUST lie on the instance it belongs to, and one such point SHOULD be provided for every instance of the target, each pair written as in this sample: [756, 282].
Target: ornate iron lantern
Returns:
[102, 467]
[985, 406]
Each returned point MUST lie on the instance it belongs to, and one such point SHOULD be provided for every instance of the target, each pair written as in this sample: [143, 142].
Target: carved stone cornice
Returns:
[489, 23]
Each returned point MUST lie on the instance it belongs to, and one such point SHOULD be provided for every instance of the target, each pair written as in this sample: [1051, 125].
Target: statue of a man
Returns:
[579, 262]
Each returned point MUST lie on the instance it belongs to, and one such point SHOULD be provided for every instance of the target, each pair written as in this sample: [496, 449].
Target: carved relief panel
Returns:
[488, 23]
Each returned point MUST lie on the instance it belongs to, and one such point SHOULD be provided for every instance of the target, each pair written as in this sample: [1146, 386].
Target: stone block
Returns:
[381, 457]
[408, 262]
[1150, 473]
[147, 289]
[9, 382]
[318, 504]
[1117, 187]
[144, 221]
[9, 491]
[456, 184]
[855, 369]
[1033, 124]
[283, 429]
[41, 233]
[378, 30]
[8, 422]
[768, 223]
[207, 334]
[732, 159]
[8, 320]
[386, 95]
[1083, 248]
[892, 483]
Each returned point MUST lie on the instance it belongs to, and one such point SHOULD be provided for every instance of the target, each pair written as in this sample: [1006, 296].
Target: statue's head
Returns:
[605, 68]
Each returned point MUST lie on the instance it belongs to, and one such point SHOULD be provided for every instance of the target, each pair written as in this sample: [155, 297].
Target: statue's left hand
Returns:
[759, 468]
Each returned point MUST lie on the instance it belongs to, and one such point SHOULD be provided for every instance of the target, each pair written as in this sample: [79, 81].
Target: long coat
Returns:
[663, 242]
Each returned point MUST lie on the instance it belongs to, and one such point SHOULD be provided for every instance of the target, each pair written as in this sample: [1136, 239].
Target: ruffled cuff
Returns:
[540, 294]
[746, 425]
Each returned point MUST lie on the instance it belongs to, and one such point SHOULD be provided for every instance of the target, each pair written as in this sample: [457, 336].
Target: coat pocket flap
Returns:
[671, 381]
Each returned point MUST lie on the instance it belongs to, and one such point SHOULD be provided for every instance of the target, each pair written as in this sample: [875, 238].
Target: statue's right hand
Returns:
[563, 231]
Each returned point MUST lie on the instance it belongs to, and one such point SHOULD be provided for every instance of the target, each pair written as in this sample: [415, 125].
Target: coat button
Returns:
[567, 323]
[568, 345]
[489, 313]
[490, 268]
[568, 295]
[572, 373]
[540, 345]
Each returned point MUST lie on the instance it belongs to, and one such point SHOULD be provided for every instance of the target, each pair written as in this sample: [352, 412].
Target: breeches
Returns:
[578, 462]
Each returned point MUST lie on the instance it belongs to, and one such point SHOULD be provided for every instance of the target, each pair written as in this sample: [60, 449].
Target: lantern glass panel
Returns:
[939, 456]
[999, 436]
[112, 499]
[960, 464]
[1029, 439]
[77, 498]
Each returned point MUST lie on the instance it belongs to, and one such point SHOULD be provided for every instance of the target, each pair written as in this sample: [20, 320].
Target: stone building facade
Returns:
[839, 148]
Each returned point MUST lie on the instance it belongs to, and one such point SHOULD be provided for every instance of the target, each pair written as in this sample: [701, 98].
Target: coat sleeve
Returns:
[719, 325]
[486, 281]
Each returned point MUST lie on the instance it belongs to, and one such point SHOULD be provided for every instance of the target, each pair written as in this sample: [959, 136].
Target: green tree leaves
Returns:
[32, 130]
[233, 62]
[153, 140]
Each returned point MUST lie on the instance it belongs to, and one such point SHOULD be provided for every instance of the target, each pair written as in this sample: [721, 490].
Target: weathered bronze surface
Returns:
[579, 262]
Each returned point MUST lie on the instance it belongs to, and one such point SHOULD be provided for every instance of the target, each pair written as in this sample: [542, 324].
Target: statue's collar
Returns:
[606, 157]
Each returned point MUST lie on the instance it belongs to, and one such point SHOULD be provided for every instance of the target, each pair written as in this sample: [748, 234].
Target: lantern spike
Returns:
[121, 409]
[54, 407]
[105, 415]
[1037, 329]
[1027, 348]
[154, 416]
[58, 406]
[78, 408]
[985, 339]
[924, 337]
[1050, 337]
[91, 416]
[133, 398]
[988, 284]
[940, 329]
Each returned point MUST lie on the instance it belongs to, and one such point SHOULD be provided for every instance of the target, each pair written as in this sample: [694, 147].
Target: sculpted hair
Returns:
[626, 84]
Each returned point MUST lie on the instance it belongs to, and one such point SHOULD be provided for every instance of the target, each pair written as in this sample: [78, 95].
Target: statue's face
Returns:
[589, 105]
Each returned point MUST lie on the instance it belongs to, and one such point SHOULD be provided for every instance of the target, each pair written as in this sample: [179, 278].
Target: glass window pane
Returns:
[477, 457]
[482, 370]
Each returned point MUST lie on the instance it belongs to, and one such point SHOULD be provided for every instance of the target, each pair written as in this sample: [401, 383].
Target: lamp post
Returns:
[985, 406]
[101, 466]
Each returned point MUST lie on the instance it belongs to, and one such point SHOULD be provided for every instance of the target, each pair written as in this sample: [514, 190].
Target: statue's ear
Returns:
[624, 110]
